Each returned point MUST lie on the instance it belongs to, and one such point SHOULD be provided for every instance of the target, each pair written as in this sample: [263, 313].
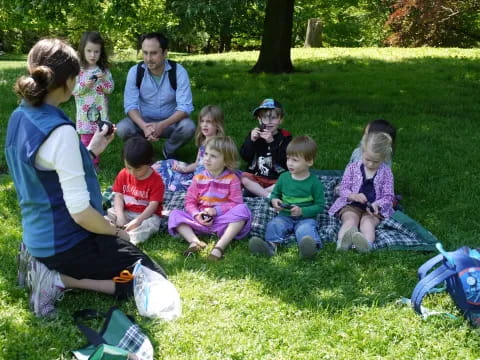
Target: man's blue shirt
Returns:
[157, 101]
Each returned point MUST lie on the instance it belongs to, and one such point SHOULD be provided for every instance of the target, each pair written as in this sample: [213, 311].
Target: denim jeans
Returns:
[177, 134]
[281, 227]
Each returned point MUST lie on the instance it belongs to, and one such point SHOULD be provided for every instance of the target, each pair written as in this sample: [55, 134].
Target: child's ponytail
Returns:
[378, 143]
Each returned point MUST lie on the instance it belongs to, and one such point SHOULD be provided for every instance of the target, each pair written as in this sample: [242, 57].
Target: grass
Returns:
[340, 306]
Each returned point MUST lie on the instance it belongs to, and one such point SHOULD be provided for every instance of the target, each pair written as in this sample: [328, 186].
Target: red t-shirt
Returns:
[137, 194]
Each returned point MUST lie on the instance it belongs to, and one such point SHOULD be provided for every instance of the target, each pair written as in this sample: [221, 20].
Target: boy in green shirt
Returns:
[299, 197]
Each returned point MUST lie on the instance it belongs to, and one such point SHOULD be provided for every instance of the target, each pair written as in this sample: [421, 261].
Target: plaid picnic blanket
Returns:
[399, 232]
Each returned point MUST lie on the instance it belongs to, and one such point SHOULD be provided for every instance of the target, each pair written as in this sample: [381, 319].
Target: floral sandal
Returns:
[194, 247]
[213, 257]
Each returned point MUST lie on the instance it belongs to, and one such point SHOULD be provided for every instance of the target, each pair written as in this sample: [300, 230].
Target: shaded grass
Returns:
[340, 306]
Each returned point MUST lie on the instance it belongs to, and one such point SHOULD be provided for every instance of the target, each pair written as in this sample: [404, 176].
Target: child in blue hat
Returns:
[265, 149]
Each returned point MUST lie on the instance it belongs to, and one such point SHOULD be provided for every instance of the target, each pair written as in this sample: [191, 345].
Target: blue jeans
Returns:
[177, 134]
[281, 227]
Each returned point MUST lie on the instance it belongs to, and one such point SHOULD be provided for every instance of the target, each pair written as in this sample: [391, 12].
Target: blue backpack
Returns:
[459, 270]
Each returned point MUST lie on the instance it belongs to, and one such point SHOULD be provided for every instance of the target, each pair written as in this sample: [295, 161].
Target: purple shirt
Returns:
[352, 181]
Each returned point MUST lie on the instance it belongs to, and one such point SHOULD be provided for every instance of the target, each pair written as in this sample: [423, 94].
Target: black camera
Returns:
[100, 124]
[370, 207]
[286, 206]
[263, 127]
[206, 217]
[93, 77]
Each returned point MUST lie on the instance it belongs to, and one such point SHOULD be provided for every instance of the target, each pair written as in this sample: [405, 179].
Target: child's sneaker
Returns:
[361, 244]
[44, 292]
[346, 241]
[23, 258]
[260, 247]
[307, 247]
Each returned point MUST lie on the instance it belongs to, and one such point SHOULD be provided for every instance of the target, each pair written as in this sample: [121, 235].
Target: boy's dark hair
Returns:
[381, 125]
[303, 146]
[138, 151]
[155, 35]
[96, 38]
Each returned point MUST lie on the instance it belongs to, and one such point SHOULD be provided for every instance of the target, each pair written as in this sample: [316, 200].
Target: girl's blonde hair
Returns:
[227, 147]
[378, 143]
[217, 115]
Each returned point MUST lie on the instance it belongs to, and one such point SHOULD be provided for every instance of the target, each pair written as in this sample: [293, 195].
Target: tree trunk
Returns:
[314, 34]
[277, 38]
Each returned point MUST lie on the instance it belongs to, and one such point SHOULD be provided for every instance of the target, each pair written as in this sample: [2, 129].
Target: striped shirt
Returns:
[222, 192]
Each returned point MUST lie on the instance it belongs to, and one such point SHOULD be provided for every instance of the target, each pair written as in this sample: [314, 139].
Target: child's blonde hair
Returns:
[217, 115]
[303, 146]
[227, 147]
[378, 143]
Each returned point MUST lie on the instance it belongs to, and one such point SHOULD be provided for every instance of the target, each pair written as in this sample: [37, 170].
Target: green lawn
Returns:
[340, 306]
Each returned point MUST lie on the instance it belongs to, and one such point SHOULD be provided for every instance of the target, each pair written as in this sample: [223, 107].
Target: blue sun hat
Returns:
[267, 104]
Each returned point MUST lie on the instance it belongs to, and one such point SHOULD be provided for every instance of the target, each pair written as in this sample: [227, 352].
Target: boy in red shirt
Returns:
[137, 205]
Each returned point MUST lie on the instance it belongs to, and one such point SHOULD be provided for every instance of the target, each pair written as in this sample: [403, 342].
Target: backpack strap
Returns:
[140, 73]
[172, 74]
[430, 281]
[425, 268]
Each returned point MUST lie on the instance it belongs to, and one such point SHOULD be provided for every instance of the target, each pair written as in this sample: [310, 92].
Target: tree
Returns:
[434, 23]
[277, 38]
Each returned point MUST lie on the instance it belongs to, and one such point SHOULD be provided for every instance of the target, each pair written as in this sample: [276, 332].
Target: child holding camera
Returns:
[93, 85]
[214, 202]
[366, 194]
[265, 149]
[299, 197]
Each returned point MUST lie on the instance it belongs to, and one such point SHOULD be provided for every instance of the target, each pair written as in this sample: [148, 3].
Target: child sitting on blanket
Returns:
[137, 204]
[366, 194]
[214, 202]
[178, 175]
[299, 197]
[264, 149]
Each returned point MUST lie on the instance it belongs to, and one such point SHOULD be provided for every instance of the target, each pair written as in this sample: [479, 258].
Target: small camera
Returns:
[206, 217]
[100, 124]
[263, 127]
[93, 77]
[286, 206]
[370, 207]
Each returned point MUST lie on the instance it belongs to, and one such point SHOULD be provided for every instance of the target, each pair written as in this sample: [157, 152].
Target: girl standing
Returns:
[366, 194]
[93, 85]
[214, 202]
[178, 175]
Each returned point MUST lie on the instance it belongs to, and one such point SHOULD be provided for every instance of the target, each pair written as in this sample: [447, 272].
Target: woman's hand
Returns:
[100, 140]
[122, 234]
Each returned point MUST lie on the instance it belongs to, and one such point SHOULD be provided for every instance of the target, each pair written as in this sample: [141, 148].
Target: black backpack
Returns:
[172, 74]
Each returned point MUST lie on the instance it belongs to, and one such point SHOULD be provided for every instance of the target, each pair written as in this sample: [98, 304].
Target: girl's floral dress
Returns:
[85, 98]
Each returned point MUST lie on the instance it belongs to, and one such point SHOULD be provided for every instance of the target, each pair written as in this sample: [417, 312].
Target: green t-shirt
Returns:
[307, 194]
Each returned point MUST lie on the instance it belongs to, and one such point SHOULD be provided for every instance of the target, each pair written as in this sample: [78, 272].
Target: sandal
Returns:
[213, 257]
[194, 247]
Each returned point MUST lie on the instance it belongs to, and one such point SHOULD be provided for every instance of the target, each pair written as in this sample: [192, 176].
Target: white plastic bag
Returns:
[155, 296]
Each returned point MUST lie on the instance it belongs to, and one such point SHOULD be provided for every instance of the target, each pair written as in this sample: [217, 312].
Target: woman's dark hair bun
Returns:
[34, 88]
